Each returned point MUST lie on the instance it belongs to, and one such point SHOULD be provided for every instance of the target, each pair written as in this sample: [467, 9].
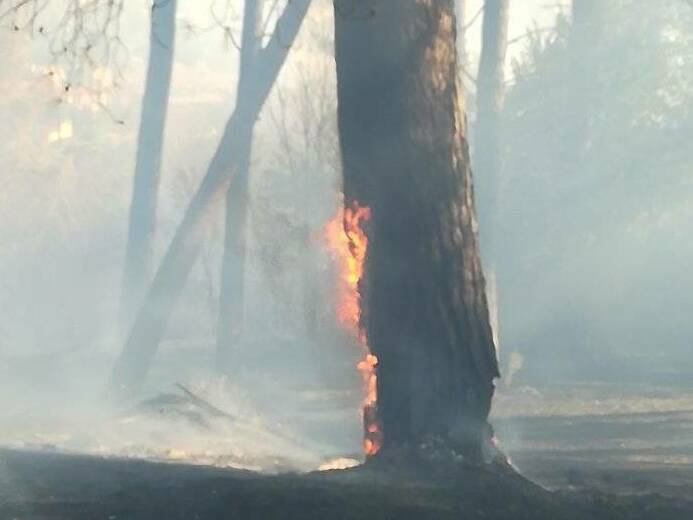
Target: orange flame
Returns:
[348, 243]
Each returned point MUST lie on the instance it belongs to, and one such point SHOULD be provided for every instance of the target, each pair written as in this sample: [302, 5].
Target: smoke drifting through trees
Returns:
[151, 322]
[593, 280]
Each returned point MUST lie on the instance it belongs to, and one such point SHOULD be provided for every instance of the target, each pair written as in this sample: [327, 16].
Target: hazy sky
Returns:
[523, 14]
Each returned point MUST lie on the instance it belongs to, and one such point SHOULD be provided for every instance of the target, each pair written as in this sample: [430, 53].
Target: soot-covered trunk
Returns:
[405, 156]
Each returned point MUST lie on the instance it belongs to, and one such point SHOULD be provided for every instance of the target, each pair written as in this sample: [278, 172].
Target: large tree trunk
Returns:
[232, 292]
[150, 323]
[405, 155]
[142, 219]
[488, 151]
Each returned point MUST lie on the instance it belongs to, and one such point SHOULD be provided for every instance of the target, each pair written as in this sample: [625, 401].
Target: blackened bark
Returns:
[405, 155]
[150, 323]
[150, 141]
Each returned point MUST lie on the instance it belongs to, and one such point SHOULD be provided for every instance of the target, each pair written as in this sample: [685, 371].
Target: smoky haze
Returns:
[595, 218]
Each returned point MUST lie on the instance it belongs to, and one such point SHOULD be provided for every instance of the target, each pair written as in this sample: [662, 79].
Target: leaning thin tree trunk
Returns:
[232, 292]
[487, 156]
[150, 323]
[142, 219]
[405, 155]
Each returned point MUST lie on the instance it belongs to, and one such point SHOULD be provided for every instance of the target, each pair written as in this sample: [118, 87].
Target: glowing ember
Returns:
[348, 243]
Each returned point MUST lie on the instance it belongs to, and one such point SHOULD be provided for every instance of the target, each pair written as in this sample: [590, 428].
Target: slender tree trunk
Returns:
[150, 323]
[488, 151]
[405, 155]
[232, 292]
[461, 14]
[142, 219]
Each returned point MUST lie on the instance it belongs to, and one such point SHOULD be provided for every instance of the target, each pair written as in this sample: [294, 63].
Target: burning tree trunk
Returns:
[150, 323]
[405, 157]
[150, 142]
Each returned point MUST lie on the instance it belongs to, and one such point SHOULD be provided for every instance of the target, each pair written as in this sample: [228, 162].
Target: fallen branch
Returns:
[204, 404]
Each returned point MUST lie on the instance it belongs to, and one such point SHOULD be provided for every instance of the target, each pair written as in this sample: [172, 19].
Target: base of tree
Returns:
[57, 486]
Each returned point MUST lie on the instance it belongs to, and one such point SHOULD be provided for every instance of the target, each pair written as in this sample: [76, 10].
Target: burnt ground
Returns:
[43, 485]
[622, 454]
[615, 438]
[598, 452]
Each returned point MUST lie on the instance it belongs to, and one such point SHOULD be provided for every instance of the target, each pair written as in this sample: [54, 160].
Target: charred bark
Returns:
[150, 322]
[150, 141]
[405, 155]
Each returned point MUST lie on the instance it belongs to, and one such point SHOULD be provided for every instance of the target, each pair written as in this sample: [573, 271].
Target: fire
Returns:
[348, 243]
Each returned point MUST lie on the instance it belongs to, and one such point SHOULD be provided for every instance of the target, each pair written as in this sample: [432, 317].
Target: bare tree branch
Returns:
[85, 42]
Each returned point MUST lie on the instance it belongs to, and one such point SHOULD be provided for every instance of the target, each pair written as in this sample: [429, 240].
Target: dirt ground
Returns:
[40, 485]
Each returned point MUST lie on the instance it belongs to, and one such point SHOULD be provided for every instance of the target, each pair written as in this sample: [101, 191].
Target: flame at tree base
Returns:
[348, 243]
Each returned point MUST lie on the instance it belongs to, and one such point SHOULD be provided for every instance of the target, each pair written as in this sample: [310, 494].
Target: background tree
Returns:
[150, 323]
[487, 137]
[303, 149]
[595, 125]
[304, 120]
[231, 296]
[150, 142]
[405, 156]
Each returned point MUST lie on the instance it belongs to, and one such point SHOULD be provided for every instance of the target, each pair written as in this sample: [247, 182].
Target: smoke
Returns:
[593, 279]
[593, 274]
[292, 399]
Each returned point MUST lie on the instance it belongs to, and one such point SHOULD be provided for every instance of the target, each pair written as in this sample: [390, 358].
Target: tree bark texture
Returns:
[405, 156]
